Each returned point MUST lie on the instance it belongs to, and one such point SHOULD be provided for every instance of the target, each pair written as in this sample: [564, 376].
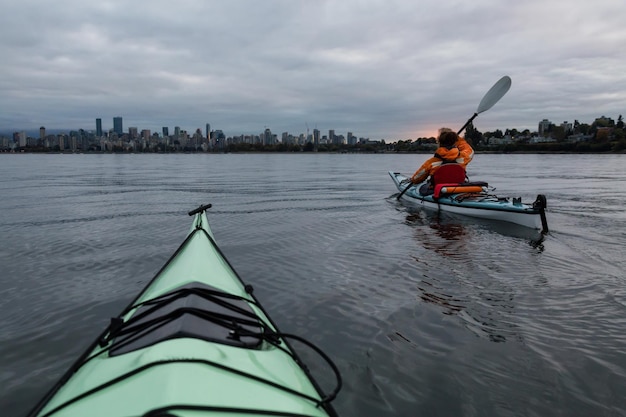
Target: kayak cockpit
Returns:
[194, 310]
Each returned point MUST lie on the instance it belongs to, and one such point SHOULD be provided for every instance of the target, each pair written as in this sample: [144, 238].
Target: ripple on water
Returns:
[424, 314]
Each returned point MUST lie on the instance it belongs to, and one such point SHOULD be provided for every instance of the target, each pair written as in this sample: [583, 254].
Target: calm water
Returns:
[425, 315]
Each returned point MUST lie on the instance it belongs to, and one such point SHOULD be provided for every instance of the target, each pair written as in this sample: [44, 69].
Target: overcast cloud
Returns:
[393, 69]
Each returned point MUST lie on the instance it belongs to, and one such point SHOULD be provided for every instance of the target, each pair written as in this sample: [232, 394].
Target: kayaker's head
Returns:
[447, 137]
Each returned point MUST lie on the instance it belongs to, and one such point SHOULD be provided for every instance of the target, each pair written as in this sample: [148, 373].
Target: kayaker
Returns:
[452, 149]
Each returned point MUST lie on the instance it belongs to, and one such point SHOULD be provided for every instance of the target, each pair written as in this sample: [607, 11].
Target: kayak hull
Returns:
[195, 342]
[477, 204]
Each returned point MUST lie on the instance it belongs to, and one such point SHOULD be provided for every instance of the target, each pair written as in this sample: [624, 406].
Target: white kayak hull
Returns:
[480, 205]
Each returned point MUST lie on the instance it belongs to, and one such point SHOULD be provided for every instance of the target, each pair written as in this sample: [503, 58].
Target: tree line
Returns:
[603, 135]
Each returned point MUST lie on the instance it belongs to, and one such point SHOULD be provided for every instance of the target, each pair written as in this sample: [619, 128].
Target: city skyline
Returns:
[390, 70]
[604, 134]
[117, 127]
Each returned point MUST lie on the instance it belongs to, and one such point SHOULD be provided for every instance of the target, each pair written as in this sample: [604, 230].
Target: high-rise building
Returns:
[220, 139]
[166, 131]
[208, 131]
[99, 128]
[20, 138]
[117, 126]
[267, 137]
[567, 127]
[351, 139]
[42, 132]
[544, 126]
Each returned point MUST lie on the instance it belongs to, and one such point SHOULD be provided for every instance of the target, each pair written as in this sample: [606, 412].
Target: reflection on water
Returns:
[437, 233]
[481, 300]
[451, 227]
[432, 294]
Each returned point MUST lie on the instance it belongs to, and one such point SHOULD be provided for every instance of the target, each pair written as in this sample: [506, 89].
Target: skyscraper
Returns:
[544, 126]
[316, 138]
[99, 128]
[117, 125]
[267, 137]
[208, 131]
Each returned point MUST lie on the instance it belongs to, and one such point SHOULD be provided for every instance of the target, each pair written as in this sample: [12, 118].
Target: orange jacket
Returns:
[462, 153]
[466, 150]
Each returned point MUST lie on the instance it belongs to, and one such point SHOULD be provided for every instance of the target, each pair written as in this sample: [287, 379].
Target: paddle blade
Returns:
[494, 95]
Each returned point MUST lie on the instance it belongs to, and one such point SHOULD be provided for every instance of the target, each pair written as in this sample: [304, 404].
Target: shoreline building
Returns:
[544, 126]
[316, 139]
[117, 126]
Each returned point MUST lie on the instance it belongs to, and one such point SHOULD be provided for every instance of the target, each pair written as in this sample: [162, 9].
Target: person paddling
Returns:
[495, 93]
[453, 149]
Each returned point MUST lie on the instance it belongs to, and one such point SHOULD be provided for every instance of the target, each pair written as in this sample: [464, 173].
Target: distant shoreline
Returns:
[478, 152]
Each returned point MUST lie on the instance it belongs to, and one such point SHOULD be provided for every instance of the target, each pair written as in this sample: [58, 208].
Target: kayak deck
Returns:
[194, 342]
[479, 204]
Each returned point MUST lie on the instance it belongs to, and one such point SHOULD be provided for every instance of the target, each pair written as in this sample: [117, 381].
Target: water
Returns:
[424, 314]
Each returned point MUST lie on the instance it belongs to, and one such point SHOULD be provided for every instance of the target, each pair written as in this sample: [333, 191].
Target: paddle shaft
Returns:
[467, 123]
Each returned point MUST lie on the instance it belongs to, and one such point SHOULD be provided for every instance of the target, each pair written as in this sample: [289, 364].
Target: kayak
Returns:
[475, 200]
[195, 342]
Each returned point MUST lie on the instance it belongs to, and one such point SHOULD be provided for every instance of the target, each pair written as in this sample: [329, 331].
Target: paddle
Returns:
[494, 95]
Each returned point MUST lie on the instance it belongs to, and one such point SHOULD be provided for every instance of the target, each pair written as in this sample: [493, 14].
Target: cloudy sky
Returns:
[391, 69]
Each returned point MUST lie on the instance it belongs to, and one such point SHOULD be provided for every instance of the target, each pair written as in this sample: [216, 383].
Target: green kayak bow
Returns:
[195, 342]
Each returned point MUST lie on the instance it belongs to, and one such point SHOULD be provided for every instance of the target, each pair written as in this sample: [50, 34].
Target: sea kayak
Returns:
[195, 342]
[476, 200]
